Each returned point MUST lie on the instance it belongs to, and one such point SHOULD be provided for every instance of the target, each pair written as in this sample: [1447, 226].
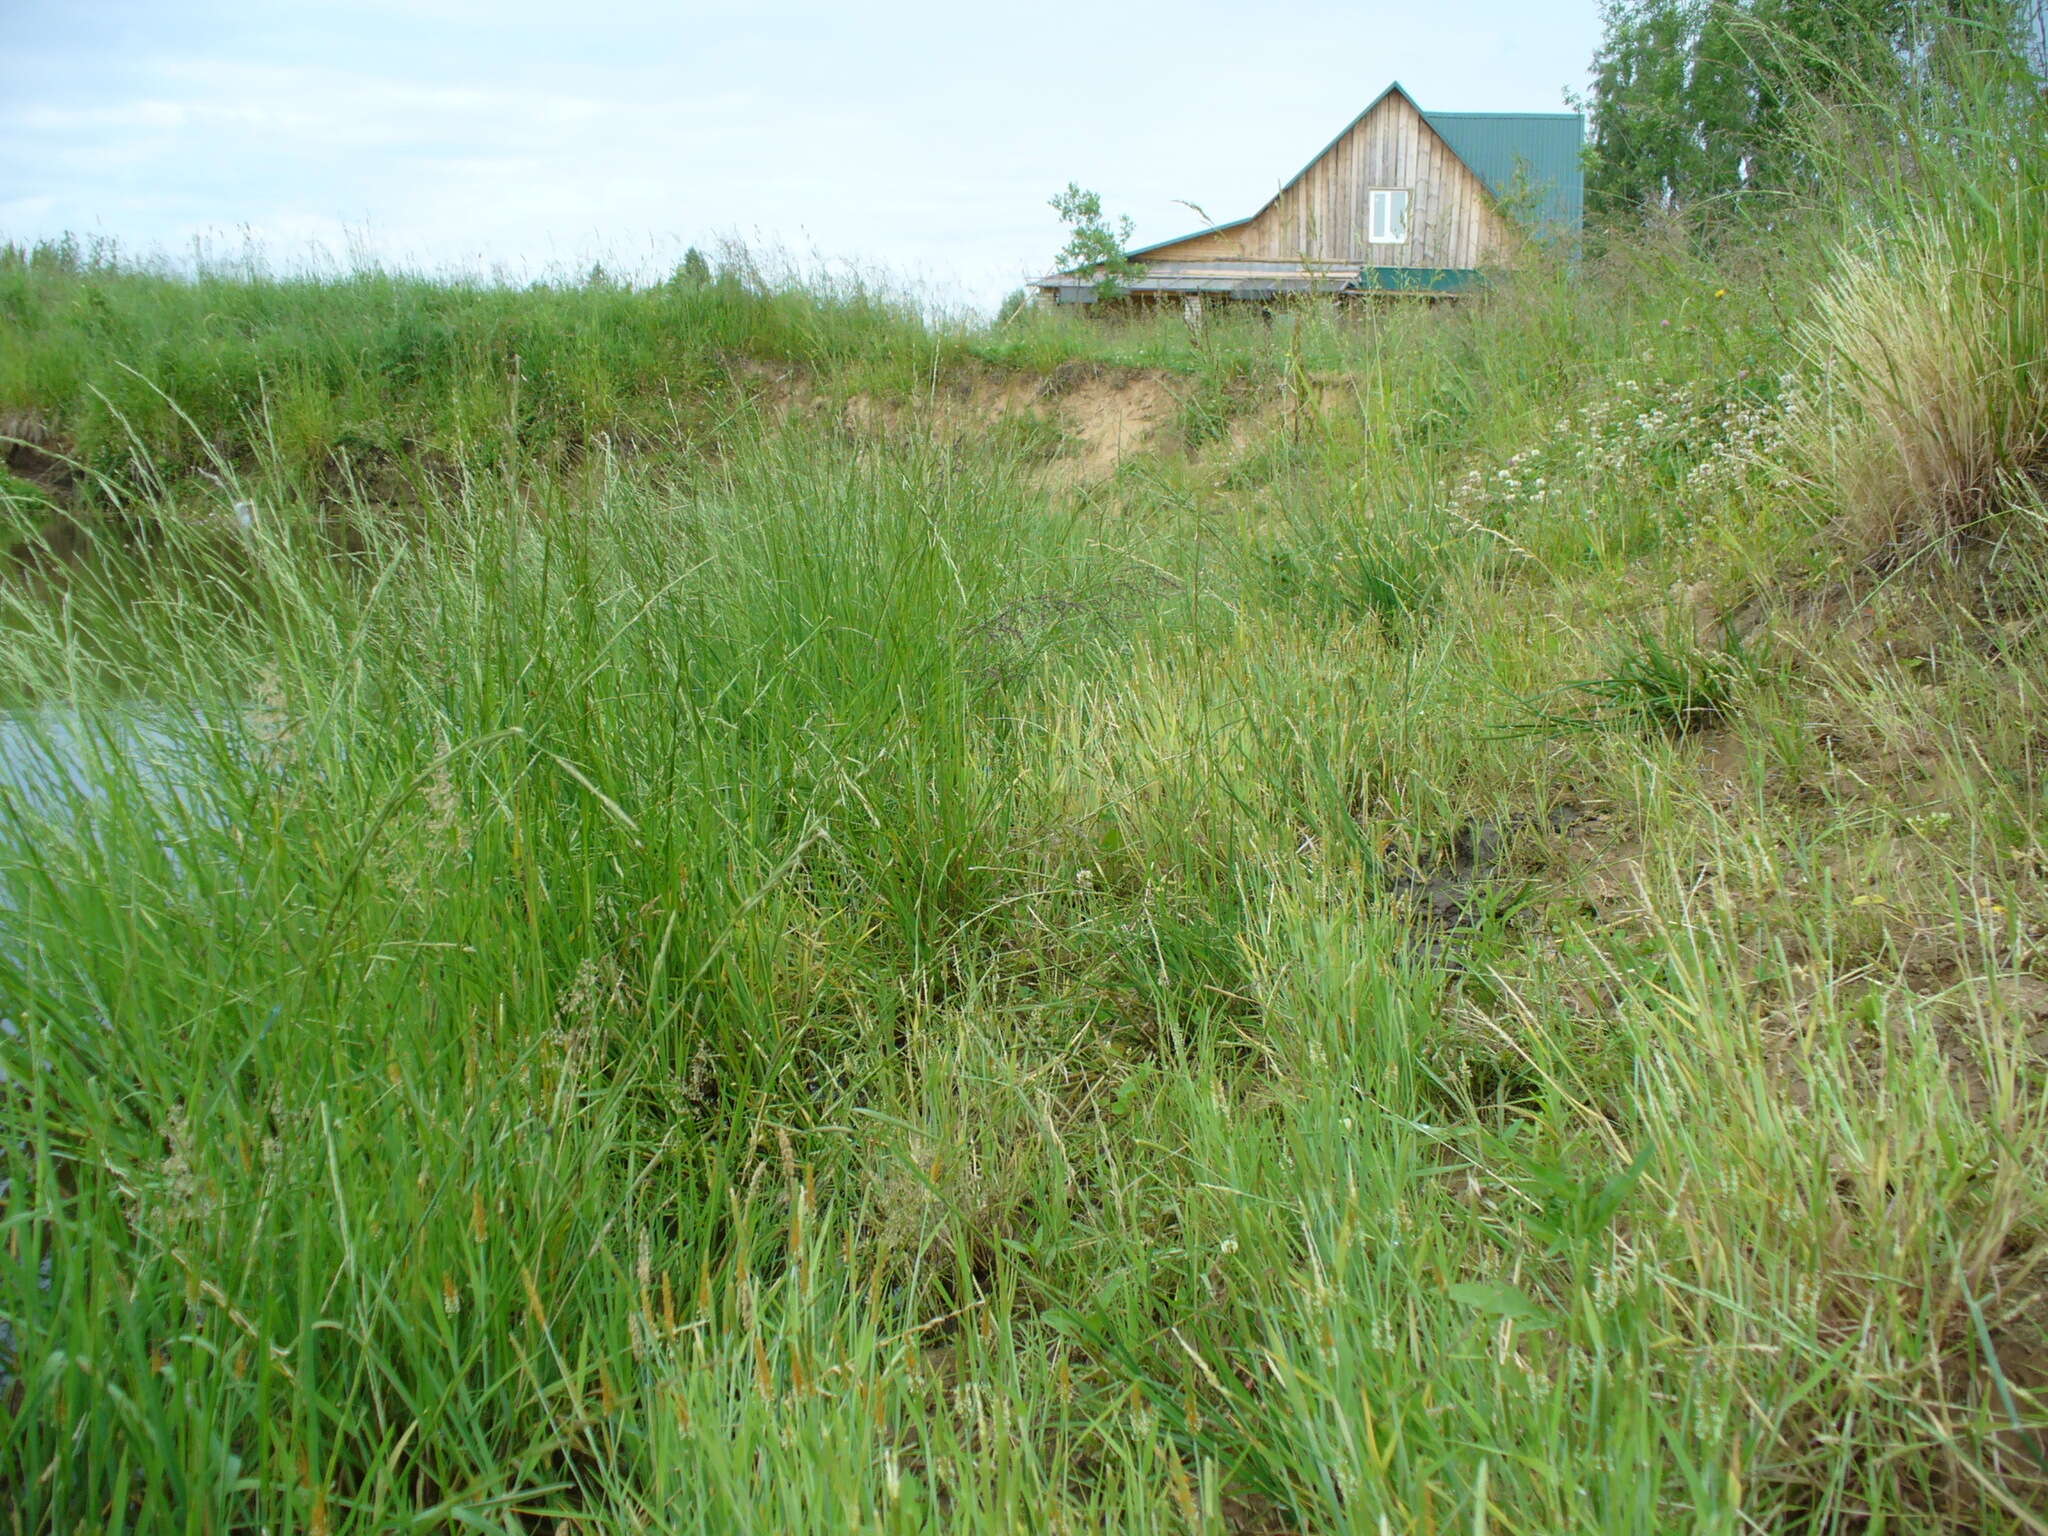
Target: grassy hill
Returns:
[723, 908]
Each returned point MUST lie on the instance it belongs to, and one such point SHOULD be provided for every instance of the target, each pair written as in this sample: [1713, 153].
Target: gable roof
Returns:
[1495, 147]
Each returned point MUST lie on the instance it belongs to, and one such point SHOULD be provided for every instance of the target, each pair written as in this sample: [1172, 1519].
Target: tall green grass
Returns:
[373, 374]
[836, 983]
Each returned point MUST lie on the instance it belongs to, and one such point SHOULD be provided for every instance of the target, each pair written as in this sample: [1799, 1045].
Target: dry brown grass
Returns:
[1933, 422]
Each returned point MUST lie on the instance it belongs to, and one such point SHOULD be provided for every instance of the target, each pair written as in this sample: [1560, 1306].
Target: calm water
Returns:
[47, 768]
[55, 762]
[46, 754]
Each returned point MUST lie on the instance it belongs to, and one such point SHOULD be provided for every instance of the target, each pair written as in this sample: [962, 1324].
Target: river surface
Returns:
[47, 755]
[55, 763]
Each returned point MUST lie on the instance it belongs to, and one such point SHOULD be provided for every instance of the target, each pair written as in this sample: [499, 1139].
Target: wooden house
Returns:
[1402, 201]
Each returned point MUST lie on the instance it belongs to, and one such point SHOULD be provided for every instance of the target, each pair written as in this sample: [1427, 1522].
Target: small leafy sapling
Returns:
[1094, 241]
[693, 271]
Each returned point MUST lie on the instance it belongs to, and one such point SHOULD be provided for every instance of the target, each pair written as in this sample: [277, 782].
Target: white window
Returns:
[1389, 217]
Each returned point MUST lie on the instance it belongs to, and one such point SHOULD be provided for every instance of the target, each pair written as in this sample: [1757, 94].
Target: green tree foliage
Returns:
[693, 271]
[1694, 99]
[1095, 242]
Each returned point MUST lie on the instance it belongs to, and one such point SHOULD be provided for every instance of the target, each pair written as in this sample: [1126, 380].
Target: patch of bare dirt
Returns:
[779, 390]
[1112, 416]
[35, 453]
[1923, 618]
[1094, 416]
[32, 451]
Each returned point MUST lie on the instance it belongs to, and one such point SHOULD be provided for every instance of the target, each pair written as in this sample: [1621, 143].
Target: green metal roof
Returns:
[1536, 154]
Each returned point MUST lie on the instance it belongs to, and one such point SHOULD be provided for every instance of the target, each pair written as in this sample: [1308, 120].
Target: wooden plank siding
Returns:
[1322, 217]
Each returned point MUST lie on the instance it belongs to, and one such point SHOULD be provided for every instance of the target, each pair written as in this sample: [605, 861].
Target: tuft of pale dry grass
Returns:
[1931, 324]
[1936, 419]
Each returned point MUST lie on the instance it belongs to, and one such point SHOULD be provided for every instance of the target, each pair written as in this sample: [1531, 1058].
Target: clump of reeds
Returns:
[1932, 328]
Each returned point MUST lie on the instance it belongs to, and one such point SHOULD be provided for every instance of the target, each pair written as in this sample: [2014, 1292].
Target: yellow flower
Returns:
[1720, 293]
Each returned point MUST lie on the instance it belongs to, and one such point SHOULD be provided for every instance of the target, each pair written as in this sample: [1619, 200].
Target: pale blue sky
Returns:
[918, 139]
